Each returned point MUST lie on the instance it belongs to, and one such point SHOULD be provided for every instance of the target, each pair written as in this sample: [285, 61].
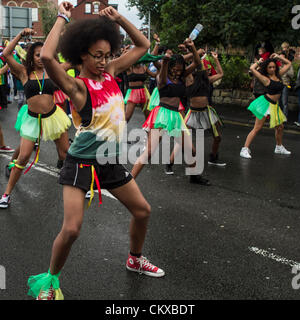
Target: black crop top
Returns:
[275, 87]
[171, 90]
[32, 88]
[194, 91]
[132, 77]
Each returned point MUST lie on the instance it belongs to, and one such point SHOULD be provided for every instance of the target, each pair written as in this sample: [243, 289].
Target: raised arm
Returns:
[287, 63]
[157, 64]
[55, 70]
[189, 56]
[196, 58]
[219, 69]
[16, 68]
[157, 43]
[163, 72]
[141, 43]
[263, 79]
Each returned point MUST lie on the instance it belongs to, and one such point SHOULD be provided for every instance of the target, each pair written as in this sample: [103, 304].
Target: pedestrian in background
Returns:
[286, 78]
[297, 87]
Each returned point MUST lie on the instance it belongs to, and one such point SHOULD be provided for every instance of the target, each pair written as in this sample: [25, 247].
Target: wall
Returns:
[244, 98]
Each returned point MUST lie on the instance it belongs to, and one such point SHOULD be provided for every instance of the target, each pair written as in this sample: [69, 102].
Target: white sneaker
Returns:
[5, 201]
[297, 123]
[281, 150]
[245, 153]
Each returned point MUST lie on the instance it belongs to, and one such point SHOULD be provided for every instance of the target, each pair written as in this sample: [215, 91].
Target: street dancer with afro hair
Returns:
[98, 113]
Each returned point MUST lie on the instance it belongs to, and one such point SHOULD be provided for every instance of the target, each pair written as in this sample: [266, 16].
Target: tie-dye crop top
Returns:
[101, 122]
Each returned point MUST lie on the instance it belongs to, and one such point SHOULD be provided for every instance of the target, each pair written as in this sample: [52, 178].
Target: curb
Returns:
[289, 128]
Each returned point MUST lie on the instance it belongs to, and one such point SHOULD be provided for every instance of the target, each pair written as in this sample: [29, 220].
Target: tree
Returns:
[48, 12]
[226, 22]
[152, 6]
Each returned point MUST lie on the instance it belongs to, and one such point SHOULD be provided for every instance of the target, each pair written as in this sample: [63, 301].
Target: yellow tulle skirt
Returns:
[49, 126]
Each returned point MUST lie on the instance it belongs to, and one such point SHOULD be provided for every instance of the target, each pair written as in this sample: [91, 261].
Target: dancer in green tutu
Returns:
[270, 77]
[166, 115]
[40, 117]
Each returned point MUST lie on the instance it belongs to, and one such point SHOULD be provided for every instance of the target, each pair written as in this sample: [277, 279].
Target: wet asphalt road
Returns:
[209, 240]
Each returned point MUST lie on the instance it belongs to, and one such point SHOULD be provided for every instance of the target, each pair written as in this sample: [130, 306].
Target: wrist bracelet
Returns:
[61, 15]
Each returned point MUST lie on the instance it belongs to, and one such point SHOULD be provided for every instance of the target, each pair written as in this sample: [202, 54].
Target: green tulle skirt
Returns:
[261, 107]
[52, 127]
[169, 120]
[154, 99]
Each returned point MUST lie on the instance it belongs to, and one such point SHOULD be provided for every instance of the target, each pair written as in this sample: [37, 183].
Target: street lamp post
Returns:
[149, 28]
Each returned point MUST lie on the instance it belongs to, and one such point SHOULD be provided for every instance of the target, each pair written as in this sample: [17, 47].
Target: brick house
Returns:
[87, 9]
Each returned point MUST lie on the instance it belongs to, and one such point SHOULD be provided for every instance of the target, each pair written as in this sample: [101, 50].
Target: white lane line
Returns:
[54, 172]
[275, 257]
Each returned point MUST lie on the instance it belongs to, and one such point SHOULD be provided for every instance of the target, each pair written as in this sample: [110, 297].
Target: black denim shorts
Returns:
[78, 173]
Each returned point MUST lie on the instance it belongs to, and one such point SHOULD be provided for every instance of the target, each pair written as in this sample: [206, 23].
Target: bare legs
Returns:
[258, 126]
[129, 195]
[252, 134]
[216, 141]
[279, 134]
[130, 106]
[26, 148]
[73, 217]
[132, 198]
[24, 152]
[62, 145]
[154, 139]
[2, 144]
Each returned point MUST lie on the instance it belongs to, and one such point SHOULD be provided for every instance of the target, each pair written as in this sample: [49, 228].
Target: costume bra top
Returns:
[275, 87]
[32, 88]
[137, 77]
[172, 90]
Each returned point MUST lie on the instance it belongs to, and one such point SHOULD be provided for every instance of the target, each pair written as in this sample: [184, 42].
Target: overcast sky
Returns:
[129, 13]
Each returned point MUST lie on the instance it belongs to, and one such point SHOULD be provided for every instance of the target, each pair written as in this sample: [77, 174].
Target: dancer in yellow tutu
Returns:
[41, 118]
[270, 77]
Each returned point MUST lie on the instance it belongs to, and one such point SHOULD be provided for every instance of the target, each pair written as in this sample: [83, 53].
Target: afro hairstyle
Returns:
[81, 35]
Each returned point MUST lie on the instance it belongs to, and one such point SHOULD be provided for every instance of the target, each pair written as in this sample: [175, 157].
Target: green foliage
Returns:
[49, 14]
[296, 66]
[226, 22]
[235, 70]
[152, 6]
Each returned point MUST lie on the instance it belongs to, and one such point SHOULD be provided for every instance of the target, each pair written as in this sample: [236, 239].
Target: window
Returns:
[88, 8]
[96, 7]
[35, 14]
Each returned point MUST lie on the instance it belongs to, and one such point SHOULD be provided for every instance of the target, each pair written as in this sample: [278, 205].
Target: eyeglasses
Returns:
[100, 57]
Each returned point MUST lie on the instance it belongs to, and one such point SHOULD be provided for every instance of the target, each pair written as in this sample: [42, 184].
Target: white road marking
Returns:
[274, 257]
[54, 172]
